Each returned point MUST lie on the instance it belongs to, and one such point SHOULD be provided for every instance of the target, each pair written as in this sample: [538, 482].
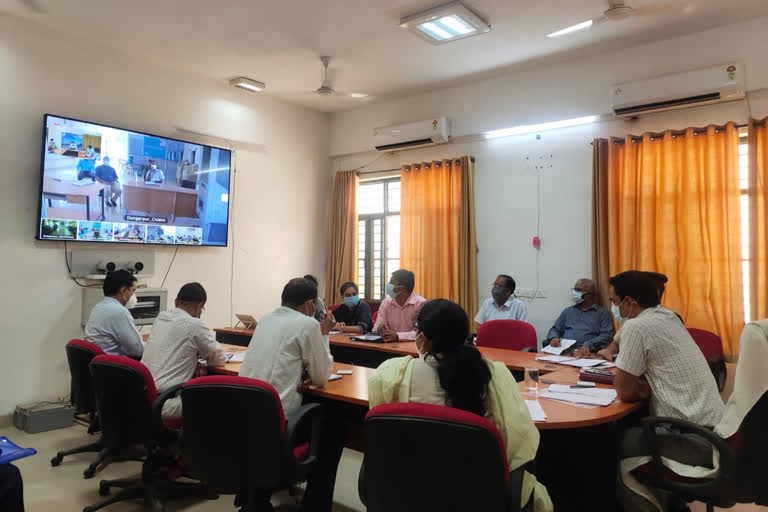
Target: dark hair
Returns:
[116, 280]
[463, 374]
[298, 291]
[659, 281]
[90, 146]
[405, 278]
[347, 285]
[641, 286]
[193, 293]
[310, 277]
[510, 282]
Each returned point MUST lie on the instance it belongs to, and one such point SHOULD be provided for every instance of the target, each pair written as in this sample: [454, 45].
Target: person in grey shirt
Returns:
[321, 307]
[110, 324]
[586, 322]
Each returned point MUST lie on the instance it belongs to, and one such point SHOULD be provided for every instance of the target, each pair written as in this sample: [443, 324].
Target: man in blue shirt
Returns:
[85, 169]
[106, 175]
[110, 324]
[586, 322]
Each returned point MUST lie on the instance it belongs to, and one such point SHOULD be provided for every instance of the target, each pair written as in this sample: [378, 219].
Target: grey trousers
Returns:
[685, 448]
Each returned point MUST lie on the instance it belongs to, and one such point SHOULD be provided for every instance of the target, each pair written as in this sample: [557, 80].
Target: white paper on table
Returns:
[536, 411]
[368, 337]
[607, 364]
[335, 331]
[592, 396]
[236, 358]
[555, 359]
[564, 345]
[583, 363]
[334, 377]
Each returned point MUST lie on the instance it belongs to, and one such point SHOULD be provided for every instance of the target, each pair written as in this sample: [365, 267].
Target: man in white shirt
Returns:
[178, 340]
[286, 343]
[659, 360]
[110, 324]
[501, 305]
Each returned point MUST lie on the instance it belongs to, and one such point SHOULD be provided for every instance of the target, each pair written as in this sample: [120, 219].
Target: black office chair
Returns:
[263, 452]
[743, 471]
[125, 395]
[427, 457]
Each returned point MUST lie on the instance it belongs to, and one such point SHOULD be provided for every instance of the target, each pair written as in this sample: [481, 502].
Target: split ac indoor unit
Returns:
[681, 90]
[412, 135]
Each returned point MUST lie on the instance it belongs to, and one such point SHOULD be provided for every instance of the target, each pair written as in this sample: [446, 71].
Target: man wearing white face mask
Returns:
[110, 324]
[586, 322]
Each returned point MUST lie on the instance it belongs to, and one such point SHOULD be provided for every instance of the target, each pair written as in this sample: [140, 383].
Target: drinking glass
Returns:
[532, 380]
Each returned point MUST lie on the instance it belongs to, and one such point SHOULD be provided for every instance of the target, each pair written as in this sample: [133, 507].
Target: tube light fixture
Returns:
[247, 84]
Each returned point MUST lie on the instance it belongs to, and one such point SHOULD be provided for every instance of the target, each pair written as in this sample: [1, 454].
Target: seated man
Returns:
[659, 360]
[110, 325]
[501, 305]
[398, 312]
[11, 488]
[586, 322]
[85, 168]
[178, 340]
[106, 175]
[285, 344]
[321, 307]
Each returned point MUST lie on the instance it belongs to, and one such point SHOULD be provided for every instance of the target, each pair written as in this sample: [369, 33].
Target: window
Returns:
[744, 185]
[378, 235]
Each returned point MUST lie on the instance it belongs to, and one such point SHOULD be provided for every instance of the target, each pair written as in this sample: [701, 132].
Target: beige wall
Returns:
[280, 193]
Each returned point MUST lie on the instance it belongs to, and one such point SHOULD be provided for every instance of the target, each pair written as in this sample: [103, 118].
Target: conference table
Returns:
[578, 448]
[66, 190]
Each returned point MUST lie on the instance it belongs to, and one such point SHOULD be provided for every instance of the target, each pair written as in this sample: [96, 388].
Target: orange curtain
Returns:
[758, 220]
[673, 207]
[341, 265]
[600, 227]
[436, 222]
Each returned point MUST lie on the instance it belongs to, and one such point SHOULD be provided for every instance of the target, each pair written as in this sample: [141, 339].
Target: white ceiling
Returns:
[279, 41]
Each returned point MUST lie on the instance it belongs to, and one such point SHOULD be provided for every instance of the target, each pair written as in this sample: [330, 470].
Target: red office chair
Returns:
[263, 451]
[743, 473]
[80, 353]
[429, 457]
[333, 308]
[374, 305]
[712, 347]
[374, 316]
[507, 334]
[125, 395]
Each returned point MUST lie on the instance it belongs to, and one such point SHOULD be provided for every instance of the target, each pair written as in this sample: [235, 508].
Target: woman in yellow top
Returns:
[450, 372]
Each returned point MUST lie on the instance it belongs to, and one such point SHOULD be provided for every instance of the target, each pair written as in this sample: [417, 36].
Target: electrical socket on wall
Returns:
[531, 293]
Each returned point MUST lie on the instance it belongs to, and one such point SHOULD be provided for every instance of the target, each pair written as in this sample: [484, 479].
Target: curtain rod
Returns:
[681, 133]
[359, 171]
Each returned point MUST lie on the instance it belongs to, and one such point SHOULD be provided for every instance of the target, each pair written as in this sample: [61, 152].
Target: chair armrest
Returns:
[727, 456]
[515, 489]
[308, 415]
[157, 407]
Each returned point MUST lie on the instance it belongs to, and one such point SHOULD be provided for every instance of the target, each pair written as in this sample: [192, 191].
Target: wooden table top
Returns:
[67, 188]
[513, 359]
[354, 389]
[165, 187]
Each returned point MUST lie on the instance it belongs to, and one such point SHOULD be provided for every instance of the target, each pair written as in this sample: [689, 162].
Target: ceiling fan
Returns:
[326, 89]
[619, 10]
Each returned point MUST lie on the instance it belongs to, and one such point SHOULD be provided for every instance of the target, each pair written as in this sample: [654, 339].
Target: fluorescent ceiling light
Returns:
[573, 28]
[247, 84]
[541, 127]
[358, 95]
[445, 23]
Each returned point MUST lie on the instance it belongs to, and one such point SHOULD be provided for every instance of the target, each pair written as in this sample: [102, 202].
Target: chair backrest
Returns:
[750, 444]
[80, 353]
[333, 308]
[374, 316]
[428, 457]
[125, 392]
[374, 305]
[248, 415]
[508, 334]
[710, 343]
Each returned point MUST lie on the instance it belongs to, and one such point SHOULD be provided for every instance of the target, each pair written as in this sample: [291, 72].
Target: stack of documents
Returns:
[537, 413]
[555, 359]
[564, 345]
[573, 361]
[236, 358]
[579, 395]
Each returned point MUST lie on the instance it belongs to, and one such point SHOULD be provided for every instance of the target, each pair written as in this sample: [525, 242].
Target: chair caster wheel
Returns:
[103, 488]
[56, 460]
[89, 472]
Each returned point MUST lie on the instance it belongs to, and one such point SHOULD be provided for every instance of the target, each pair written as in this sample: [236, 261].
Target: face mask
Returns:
[497, 292]
[314, 310]
[391, 290]
[352, 301]
[131, 303]
[577, 296]
[617, 314]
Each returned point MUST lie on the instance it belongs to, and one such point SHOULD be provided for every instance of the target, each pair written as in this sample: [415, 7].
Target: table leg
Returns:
[88, 207]
[103, 215]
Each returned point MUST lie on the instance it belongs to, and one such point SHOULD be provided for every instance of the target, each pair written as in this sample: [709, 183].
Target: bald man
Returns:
[586, 322]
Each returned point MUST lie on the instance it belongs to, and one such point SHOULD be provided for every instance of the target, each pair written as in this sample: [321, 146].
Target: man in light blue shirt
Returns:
[502, 305]
[110, 324]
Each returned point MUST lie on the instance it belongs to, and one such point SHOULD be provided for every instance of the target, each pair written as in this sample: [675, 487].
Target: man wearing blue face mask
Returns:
[354, 315]
[398, 312]
[502, 305]
[586, 322]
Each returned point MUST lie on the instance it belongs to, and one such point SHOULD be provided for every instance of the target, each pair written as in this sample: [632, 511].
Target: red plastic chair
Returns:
[712, 347]
[374, 316]
[457, 451]
[507, 334]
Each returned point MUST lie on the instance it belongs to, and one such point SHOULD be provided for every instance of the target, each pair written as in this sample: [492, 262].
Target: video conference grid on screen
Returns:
[104, 184]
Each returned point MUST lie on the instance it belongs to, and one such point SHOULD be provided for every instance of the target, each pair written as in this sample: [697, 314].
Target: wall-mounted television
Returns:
[100, 183]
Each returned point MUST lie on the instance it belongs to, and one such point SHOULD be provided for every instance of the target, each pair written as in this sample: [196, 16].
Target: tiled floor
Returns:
[63, 489]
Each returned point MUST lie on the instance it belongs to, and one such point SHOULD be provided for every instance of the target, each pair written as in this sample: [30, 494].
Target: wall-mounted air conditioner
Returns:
[681, 90]
[412, 135]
